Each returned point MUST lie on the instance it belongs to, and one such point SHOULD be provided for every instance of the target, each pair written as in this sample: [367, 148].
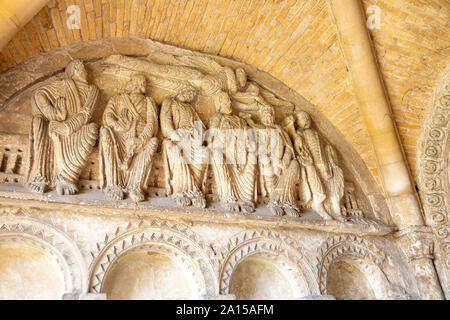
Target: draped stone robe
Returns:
[117, 168]
[184, 161]
[60, 158]
[234, 163]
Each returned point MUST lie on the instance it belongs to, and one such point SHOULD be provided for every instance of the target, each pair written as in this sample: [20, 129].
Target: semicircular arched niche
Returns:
[257, 278]
[265, 265]
[352, 268]
[148, 275]
[19, 82]
[29, 273]
[154, 262]
[35, 248]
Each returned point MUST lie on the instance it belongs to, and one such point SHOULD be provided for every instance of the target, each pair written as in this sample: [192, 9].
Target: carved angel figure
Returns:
[233, 157]
[128, 142]
[279, 170]
[61, 137]
[183, 158]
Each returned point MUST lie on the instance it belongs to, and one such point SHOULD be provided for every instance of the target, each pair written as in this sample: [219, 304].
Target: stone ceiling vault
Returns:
[293, 40]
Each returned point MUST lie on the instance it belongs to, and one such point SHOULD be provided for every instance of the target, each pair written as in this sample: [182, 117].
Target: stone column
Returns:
[376, 112]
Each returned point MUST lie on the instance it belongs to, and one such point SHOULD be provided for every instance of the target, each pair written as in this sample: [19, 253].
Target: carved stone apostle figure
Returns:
[325, 178]
[279, 170]
[233, 157]
[61, 137]
[128, 142]
[183, 159]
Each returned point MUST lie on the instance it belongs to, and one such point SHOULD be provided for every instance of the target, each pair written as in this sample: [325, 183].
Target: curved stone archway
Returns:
[30, 272]
[434, 173]
[151, 272]
[36, 71]
[179, 251]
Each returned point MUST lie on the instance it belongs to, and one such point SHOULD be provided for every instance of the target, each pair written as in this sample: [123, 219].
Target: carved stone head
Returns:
[76, 70]
[303, 120]
[186, 94]
[137, 84]
[241, 78]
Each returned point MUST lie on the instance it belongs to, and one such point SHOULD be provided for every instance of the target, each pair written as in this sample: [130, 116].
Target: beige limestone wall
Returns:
[147, 254]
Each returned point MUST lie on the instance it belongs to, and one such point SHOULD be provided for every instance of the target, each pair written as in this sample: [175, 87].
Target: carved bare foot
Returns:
[246, 209]
[292, 212]
[276, 210]
[115, 193]
[199, 201]
[64, 189]
[183, 201]
[38, 187]
[232, 207]
[137, 196]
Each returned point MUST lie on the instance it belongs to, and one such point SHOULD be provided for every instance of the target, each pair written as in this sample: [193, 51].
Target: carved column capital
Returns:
[417, 242]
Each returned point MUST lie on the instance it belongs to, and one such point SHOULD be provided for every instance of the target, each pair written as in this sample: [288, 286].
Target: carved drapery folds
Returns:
[241, 152]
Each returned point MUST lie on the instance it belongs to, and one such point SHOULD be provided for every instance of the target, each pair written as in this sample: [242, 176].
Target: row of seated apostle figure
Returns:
[62, 137]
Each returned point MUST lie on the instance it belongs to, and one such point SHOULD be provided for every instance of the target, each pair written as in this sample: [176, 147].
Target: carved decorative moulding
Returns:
[172, 128]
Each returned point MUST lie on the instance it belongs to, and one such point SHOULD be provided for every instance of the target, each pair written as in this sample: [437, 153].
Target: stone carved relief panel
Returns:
[148, 108]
